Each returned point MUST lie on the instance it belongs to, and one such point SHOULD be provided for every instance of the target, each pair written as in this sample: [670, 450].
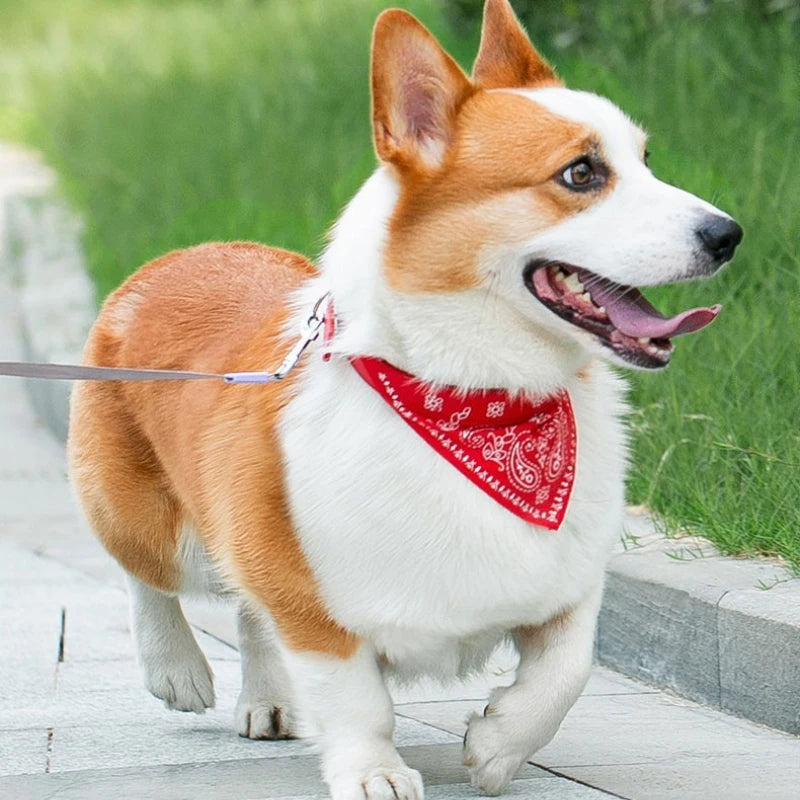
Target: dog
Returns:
[450, 475]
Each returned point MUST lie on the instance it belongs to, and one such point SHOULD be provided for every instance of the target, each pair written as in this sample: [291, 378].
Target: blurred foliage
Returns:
[173, 122]
[559, 24]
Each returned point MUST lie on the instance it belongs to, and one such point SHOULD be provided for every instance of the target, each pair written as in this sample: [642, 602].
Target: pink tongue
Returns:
[632, 315]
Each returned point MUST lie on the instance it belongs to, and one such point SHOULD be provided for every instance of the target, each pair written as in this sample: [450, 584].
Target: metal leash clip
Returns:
[310, 332]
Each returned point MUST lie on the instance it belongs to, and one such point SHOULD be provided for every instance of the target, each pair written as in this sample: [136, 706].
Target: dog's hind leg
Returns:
[555, 662]
[263, 710]
[172, 663]
[128, 501]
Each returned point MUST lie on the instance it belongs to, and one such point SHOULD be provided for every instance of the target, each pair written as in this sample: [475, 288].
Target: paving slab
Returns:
[24, 750]
[151, 740]
[291, 777]
[604, 736]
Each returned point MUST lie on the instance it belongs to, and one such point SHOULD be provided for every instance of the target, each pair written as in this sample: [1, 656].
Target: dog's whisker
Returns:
[492, 295]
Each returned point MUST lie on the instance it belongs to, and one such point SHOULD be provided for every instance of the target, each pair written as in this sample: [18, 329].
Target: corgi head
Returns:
[509, 185]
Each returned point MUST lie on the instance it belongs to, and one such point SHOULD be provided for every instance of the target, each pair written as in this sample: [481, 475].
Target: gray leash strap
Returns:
[75, 372]
[69, 372]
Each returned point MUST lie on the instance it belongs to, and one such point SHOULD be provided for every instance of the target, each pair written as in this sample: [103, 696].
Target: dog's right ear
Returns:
[417, 90]
[506, 58]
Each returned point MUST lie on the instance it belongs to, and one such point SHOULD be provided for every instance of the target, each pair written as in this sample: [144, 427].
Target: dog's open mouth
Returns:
[619, 316]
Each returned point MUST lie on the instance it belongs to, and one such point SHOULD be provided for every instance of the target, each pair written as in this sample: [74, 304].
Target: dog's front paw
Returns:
[263, 718]
[181, 677]
[397, 782]
[373, 770]
[492, 752]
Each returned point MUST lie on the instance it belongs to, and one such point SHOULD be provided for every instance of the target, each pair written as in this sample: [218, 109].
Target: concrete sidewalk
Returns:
[75, 721]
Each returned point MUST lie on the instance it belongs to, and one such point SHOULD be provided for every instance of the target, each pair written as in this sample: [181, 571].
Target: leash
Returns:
[69, 372]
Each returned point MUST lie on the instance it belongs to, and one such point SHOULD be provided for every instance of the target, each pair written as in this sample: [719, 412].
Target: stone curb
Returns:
[676, 614]
[717, 630]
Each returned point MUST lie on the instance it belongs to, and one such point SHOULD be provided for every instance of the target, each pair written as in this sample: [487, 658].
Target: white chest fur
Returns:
[406, 549]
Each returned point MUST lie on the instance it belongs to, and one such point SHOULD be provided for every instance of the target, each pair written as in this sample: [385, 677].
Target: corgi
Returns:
[451, 475]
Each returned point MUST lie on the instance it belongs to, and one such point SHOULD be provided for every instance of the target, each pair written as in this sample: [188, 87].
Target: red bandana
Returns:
[522, 454]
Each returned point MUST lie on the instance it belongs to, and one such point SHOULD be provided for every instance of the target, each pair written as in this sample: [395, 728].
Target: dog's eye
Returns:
[579, 174]
[646, 158]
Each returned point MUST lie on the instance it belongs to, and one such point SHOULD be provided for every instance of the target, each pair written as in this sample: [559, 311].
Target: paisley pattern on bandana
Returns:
[522, 453]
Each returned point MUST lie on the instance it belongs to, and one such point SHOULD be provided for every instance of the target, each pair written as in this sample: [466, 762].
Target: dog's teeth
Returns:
[645, 340]
[573, 283]
[586, 297]
[602, 310]
[562, 276]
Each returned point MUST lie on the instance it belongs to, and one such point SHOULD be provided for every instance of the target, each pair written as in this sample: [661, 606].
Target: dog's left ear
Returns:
[417, 90]
[506, 58]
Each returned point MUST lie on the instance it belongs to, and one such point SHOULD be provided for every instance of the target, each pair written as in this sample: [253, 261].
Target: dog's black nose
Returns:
[719, 236]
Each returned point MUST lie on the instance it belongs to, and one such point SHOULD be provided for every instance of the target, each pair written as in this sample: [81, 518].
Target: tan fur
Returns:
[537, 636]
[506, 58]
[417, 90]
[495, 186]
[149, 457]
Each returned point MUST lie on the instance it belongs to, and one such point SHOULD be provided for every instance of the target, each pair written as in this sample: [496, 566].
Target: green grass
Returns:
[717, 445]
[176, 122]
